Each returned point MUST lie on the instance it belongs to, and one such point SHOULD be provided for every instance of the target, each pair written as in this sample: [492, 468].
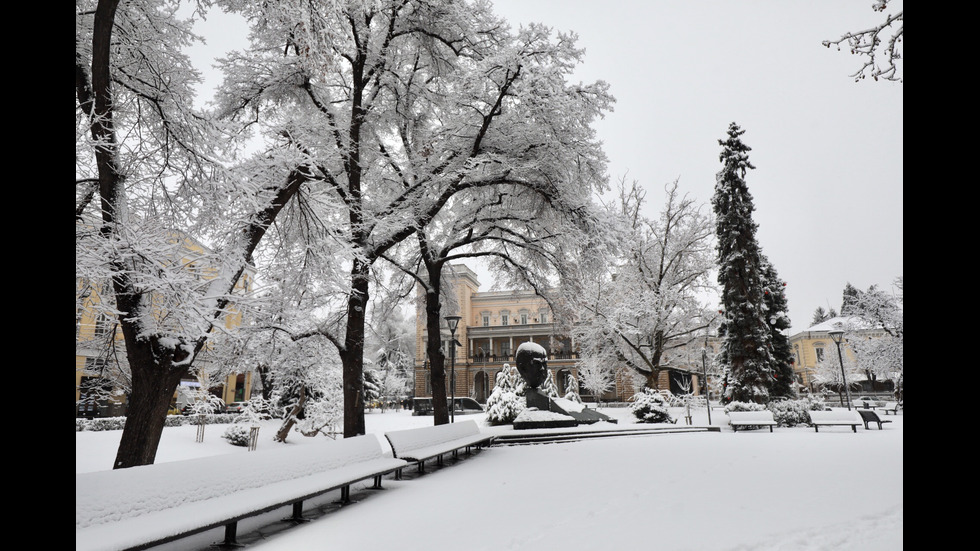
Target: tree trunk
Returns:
[153, 389]
[291, 418]
[352, 357]
[433, 348]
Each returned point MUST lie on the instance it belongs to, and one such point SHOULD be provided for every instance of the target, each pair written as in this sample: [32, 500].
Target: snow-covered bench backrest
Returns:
[403, 441]
[107, 496]
[841, 416]
[763, 417]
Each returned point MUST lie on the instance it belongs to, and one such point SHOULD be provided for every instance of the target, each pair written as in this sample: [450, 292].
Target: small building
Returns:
[812, 346]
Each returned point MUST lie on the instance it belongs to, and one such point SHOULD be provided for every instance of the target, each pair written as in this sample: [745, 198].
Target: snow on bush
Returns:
[507, 400]
[650, 407]
[744, 406]
[789, 413]
[237, 435]
[117, 423]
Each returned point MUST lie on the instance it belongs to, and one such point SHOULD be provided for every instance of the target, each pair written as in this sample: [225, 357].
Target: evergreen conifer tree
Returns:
[507, 400]
[747, 346]
[774, 296]
[548, 387]
[819, 316]
[571, 390]
[850, 299]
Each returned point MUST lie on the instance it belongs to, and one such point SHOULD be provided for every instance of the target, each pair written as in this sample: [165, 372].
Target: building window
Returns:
[819, 352]
[505, 317]
[104, 325]
[486, 320]
[543, 316]
[523, 319]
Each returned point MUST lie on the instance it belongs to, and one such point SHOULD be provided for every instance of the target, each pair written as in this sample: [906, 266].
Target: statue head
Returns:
[532, 363]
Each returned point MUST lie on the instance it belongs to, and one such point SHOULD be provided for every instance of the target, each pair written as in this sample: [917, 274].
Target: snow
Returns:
[790, 490]
[533, 347]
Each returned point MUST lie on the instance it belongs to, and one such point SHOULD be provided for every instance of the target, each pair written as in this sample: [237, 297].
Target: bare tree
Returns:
[652, 297]
[149, 169]
[390, 109]
[880, 46]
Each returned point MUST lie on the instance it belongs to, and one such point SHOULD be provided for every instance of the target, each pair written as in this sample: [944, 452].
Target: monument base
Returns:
[545, 412]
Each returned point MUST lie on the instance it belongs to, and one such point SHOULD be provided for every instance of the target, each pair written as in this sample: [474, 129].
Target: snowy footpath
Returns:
[790, 490]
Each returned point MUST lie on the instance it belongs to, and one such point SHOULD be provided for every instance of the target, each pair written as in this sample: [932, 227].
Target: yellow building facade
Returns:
[814, 346]
[493, 324]
[100, 352]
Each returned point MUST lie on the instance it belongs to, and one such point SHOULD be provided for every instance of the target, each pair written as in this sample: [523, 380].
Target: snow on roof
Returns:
[843, 323]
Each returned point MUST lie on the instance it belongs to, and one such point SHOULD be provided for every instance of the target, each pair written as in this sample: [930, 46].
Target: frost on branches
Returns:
[649, 406]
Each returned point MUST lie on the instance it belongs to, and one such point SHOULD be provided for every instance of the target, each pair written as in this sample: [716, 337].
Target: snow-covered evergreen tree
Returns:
[774, 296]
[507, 400]
[747, 345]
[571, 391]
[849, 299]
[649, 406]
[820, 315]
[548, 387]
[372, 387]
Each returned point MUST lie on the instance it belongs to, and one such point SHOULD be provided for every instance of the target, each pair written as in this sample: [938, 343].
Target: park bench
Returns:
[420, 444]
[869, 416]
[751, 419]
[891, 407]
[144, 506]
[837, 417]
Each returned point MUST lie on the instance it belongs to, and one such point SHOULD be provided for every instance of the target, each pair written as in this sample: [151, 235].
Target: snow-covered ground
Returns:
[791, 490]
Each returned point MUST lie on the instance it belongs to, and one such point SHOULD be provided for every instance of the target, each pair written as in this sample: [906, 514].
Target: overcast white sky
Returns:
[828, 151]
[828, 183]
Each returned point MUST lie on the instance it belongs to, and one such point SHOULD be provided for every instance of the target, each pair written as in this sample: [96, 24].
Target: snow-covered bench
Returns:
[418, 445]
[751, 419]
[140, 507]
[891, 407]
[840, 417]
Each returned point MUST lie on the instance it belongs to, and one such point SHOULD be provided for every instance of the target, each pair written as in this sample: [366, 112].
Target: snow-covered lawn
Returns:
[790, 490]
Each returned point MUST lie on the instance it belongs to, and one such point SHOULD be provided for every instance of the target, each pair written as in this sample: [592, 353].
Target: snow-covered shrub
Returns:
[236, 435]
[649, 406]
[789, 413]
[571, 391]
[175, 421]
[106, 423]
[507, 400]
[744, 406]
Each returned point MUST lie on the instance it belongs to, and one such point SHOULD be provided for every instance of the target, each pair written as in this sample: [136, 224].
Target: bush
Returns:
[650, 407]
[237, 435]
[504, 407]
[117, 423]
[789, 413]
[744, 406]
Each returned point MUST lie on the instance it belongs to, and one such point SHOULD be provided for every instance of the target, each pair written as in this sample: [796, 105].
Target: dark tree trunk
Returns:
[433, 348]
[352, 357]
[153, 389]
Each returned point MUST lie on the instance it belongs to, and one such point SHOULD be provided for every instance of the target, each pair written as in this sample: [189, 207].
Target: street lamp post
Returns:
[452, 322]
[704, 369]
[838, 335]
